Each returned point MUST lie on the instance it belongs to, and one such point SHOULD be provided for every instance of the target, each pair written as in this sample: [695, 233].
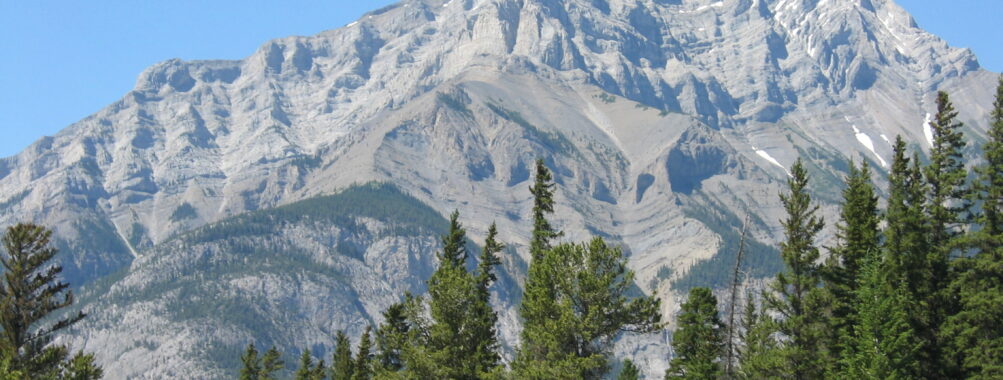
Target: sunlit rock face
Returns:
[665, 122]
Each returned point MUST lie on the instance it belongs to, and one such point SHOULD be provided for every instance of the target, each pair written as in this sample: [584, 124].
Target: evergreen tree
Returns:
[319, 371]
[458, 341]
[30, 295]
[454, 244]
[858, 237]
[757, 356]
[974, 335]
[906, 231]
[391, 338]
[306, 367]
[629, 371]
[947, 208]
[251, 369]
[883, 344]
[271, 363]
[543, 204]
[698, 340]
[590, 286]
[488, 260]
[260, 368]
[363, 370]
[795, 293]
[342, 366]
[990, 182]
[539, 308]
[948, 198]
[7, 372]
[483, 317]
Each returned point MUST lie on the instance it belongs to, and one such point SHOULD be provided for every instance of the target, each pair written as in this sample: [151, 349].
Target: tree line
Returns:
[910, 291]
[576, 300]
[913, 290]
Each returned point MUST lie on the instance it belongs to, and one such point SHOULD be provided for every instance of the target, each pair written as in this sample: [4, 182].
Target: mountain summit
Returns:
[194, 198]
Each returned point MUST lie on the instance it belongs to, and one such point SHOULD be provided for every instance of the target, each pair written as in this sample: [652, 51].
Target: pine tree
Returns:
[757, 356]
[543, 204]
[454, 244]
[306, 367]
[30, 295]
[590, 286]
[948, 199]
[990, 182]
[539, 308]
[858, 237]
[363, 370]
[629, 371]
[483, 317]
[574, 300]
[906, 232]
[698, 340]
[80, 367]
[974, 335]
[342, 366]
[458, 341]
[948, 211]
[251, 369]
[795, 293]
[271, 363]
[391, 338]
[319, 371]
[883, 344]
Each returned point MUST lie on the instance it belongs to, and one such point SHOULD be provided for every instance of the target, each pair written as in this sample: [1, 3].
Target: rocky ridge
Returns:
[664, 121]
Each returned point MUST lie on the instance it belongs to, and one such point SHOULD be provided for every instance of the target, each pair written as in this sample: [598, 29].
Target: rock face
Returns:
[665, 121]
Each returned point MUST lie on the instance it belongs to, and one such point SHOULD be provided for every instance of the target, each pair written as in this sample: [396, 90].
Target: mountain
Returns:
[180, 208]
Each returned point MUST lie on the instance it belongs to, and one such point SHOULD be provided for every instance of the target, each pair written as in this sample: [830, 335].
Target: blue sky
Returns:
[61, 60]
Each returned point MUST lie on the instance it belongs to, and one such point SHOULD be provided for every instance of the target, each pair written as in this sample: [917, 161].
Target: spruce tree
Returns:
[574, 300]
[251, 369]
[483, 317]
[30, 296]
[543, 203]
[319, 371]
[306, 367]
[757, 355]
[795, 293]
[906, 232]
[948, 198]
[271, 363]
[539, 308]
[990, 182]
[363, 360]
[342, 366]
[458, 341]
[948, 211]
[858, 237]
[629, 371]
[974, 335]
[883, 344]
[591, 284]
[391, 339]
[698, 341]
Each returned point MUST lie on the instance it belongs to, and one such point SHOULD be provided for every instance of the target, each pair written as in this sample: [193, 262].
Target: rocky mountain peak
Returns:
[663, 120]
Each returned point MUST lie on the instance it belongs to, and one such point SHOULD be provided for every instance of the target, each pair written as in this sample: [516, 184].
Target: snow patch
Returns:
[883, 137]
[351, 24]
[866, 141]
[766, 156]
[927, 129]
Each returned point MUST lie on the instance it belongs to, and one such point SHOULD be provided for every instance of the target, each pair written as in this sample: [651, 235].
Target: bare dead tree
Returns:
[730, 345]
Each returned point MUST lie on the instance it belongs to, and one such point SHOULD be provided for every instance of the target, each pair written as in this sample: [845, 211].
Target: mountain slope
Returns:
[665, 121]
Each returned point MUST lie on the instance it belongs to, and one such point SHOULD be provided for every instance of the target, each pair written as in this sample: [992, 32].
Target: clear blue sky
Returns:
[63, 60]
